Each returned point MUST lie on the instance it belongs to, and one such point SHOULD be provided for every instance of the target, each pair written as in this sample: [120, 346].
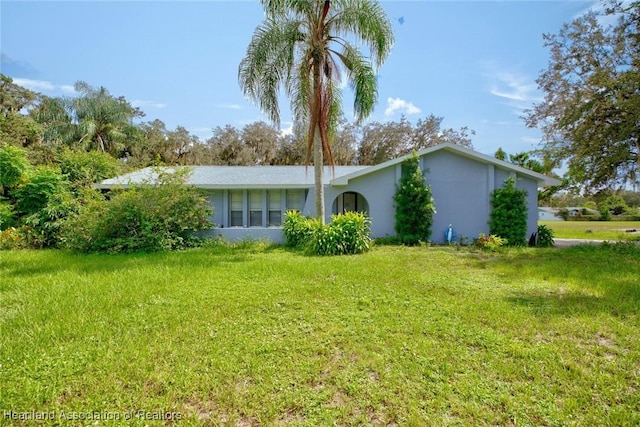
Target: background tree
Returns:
[16, 127]
[591, 109]
[414, 204]
[428, 132]
[384, 141]
[262, 140]
[301, 46]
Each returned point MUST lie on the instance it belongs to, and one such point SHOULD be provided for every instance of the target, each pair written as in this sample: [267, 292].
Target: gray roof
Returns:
[542, 180]
[220, 177]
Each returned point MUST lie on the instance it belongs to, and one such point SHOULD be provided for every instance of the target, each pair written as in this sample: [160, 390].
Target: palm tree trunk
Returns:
[318, 167]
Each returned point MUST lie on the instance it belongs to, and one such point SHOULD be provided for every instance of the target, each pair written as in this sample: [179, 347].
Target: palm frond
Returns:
[367, 22]
[267, 64]
[362, 79]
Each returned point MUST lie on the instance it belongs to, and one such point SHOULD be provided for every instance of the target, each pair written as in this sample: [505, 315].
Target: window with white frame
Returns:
[255, 208]
[275, 208]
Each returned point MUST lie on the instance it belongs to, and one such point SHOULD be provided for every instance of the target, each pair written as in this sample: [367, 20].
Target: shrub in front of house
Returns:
[509, 214]
[346, 233]
[414, 204]
[544, 237]
[155, 216]
[298, 229]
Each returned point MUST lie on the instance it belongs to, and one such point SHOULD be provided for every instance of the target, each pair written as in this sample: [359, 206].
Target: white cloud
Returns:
[146, 103]
[43, 86]
[36, 85]
[68, 89]
[518, 90]
[229, 106]
[397, 105]
[514, 86]
[288, 130]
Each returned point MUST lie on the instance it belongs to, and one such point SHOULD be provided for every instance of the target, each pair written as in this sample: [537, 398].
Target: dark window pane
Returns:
[236, 218]
[255, 218]
[275, 218]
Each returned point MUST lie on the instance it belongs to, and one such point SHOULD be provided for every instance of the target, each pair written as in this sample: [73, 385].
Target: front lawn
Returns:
[597, 230]
[264, 336]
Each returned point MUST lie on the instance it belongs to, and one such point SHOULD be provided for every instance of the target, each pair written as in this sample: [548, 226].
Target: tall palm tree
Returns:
[302, 46]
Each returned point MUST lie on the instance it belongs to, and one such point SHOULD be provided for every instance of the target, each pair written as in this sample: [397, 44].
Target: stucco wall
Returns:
[460, 188]
[378, 189]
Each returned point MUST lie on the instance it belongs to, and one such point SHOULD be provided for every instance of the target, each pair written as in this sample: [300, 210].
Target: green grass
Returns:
[597, 230]
[264, 336]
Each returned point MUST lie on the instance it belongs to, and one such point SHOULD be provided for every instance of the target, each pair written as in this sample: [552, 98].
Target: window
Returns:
[255, 208]
[235, 217]
[275, 208]
[294, 200]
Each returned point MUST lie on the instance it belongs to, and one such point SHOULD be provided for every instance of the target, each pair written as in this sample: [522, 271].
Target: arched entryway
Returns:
[350, 201]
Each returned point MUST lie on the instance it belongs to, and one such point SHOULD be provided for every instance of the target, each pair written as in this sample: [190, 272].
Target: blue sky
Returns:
[472, 62]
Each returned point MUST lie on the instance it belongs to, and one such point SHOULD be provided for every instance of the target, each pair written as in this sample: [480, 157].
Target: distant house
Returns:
[548, 214]
[553, 214]
[250, 201]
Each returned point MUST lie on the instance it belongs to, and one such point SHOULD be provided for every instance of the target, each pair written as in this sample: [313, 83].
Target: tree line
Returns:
[96, 120]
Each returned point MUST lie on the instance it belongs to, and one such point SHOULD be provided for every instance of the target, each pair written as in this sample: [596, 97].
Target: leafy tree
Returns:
[414, 204]
[428, 132]
[300, 45]
[616, 205]
[631, 198]
[40, 186]
[384, 141]
[509, 213]
[17, 128]
[85, 168]
[591, 109]
[13, 167]
[226, 147]
[262, 140]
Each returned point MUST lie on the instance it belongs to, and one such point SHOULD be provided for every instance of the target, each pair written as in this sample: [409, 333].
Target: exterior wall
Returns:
[216, 202]
[377, 189]
[273, 234]
[461, 189]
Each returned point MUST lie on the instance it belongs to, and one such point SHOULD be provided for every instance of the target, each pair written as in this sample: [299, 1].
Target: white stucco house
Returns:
[250, 201]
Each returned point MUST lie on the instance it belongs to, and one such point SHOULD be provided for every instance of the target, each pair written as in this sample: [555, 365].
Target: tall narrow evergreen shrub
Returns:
[414, 205]
[509, 214]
